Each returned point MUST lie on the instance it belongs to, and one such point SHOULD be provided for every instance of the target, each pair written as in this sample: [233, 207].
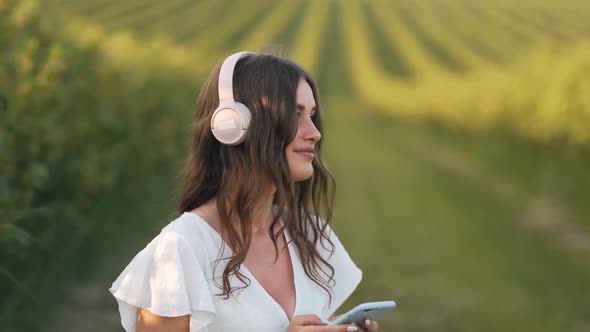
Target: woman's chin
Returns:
[302, 174]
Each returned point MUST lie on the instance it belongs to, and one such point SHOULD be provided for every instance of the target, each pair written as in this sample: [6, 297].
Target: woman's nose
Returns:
[311, 132]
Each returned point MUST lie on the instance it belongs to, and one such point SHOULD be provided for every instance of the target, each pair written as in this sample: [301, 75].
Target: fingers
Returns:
[306, 320]
[341, 328]
[370, 325]
[335, 328]
[315, 324]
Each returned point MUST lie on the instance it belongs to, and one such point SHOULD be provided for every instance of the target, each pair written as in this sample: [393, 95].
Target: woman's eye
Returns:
[311, 115]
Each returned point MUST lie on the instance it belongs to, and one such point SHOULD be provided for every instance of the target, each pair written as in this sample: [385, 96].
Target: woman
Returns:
[247, 252]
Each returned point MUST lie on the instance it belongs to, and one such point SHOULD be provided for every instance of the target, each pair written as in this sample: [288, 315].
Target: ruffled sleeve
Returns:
[347, 275]
[167, 279]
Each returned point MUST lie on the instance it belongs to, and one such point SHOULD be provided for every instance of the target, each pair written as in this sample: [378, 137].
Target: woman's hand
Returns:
[368, 325]
[312, 323]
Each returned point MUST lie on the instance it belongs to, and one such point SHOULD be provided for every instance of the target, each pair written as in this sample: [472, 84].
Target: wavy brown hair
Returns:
[241, 174]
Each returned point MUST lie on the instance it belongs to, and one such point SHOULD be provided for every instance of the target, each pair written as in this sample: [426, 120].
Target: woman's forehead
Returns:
[305, 96]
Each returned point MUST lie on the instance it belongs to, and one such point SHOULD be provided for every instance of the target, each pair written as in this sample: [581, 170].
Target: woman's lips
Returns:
[307, 154]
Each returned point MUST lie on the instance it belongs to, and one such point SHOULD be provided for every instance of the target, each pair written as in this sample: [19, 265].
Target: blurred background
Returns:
[458, 132]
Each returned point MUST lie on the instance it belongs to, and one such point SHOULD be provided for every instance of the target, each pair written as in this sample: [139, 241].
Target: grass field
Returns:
[473, 222]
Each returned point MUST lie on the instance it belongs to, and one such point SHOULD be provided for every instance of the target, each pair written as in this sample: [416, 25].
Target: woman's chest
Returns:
[276, 278]
[273, 296]
[253, 309]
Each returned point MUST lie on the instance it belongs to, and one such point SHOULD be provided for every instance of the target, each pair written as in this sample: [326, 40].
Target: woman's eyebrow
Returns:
[302, 107]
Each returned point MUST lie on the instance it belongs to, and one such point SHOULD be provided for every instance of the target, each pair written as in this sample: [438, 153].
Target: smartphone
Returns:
[368, 310]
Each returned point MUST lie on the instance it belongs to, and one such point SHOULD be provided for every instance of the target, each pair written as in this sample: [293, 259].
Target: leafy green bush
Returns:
[71, 125]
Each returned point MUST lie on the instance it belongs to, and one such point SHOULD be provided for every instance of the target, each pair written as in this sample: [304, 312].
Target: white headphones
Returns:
[231, 119]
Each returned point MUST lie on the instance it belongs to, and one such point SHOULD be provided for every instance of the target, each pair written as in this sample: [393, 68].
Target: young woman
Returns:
[249, 250]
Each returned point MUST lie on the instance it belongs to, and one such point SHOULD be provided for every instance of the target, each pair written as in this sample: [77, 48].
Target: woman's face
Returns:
[300, 152]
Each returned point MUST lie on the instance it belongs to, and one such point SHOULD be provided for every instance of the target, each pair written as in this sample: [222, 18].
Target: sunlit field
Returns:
[458, 132]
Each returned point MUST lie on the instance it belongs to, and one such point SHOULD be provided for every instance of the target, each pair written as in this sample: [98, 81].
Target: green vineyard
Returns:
[520, 65]
[458, 132]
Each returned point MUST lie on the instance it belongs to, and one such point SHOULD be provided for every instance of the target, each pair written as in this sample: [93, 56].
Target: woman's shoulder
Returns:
[190, 225]
[186, 225]
[180, 245]
[185, 234]
[168, 277]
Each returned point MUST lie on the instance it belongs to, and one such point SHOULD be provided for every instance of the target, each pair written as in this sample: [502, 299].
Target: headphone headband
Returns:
[226, 92]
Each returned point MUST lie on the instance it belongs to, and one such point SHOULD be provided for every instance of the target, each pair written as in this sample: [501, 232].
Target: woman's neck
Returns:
[262, 214]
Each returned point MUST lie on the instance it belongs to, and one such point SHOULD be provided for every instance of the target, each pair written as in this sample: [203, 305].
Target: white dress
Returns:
[173, 276]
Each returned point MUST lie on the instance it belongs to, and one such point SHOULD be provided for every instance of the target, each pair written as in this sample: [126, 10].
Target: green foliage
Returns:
[72, 124]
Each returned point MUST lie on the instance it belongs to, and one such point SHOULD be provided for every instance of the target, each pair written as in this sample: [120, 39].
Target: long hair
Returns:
[240, 175]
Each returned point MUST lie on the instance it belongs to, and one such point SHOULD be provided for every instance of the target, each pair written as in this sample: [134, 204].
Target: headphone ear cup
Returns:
[230, 122]
[231, 119]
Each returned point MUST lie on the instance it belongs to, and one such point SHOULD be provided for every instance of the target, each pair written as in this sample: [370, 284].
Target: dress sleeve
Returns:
[167, 279]
[347, 275]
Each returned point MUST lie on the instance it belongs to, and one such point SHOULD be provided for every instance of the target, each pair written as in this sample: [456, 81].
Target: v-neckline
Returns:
[292, 256]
